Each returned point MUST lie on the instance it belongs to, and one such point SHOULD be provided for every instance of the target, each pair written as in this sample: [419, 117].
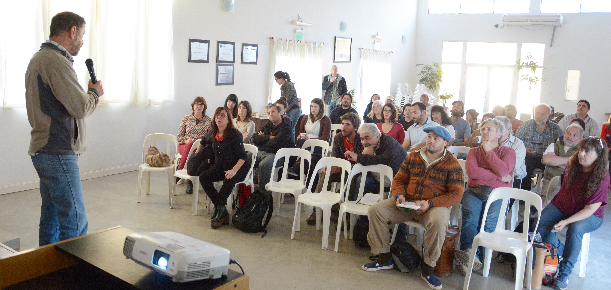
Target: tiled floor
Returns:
[272, 262]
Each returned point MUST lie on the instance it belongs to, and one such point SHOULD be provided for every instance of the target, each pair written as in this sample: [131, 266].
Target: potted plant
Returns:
[531, 65]
[445, 97]
[430, 76]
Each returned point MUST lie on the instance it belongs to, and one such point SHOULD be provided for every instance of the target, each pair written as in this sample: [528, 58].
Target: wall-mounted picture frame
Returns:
[343, 49]
[224, 74]
[225, 52]
[199, 50]
[250, 53]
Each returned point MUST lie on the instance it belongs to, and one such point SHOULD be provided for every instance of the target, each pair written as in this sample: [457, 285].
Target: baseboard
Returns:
[84, 176]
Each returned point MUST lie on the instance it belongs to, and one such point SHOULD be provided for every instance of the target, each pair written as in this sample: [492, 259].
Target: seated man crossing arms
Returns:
[433, 179]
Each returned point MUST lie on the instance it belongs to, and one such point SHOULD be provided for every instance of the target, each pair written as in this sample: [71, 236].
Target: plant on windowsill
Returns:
[445, 97]
[528, 77]
[352, 92]
[431, 76]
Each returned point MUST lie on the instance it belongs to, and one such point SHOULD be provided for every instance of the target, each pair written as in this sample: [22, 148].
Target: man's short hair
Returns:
[584, 101]
[274, 105]
[575, 126]
[369, 128]
[347, 94]
[353, 118]
[511, 107]
[64, 21]
[282, 102]
[499, 127]
[420, 105]
[506, 123]
[462, 105]
[581, 122]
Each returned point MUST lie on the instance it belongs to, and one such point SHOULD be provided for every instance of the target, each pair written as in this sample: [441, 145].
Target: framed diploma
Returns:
[224, 74]
[250, 53]
[343, 49]
[225, 52]
[199, 50]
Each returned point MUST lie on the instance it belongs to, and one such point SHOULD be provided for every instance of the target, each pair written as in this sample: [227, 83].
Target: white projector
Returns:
[178, 256]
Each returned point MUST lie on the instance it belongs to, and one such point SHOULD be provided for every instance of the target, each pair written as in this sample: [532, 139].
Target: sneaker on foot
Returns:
[432, 281]
[462, 256]
[562, 282]
[374, 266]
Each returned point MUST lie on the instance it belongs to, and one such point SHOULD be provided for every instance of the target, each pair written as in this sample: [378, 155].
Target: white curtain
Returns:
[375, 76]
[130, 43]
[303, 62]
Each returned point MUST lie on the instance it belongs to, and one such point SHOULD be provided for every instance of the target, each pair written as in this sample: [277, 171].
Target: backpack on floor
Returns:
[361, 229]
[405, 256]
[254, 216]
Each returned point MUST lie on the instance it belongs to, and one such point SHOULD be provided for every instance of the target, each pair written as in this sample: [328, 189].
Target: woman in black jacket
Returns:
[230, 164]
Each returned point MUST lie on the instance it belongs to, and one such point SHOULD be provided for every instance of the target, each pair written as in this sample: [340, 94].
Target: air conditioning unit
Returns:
[532, 19]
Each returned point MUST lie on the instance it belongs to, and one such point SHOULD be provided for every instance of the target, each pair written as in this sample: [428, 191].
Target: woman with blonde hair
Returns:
[376, 113]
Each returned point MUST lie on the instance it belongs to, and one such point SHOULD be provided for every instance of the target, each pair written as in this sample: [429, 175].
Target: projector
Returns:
[178, 256]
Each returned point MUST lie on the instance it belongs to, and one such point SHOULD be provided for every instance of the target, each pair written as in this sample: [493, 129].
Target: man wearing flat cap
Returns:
[432, 179]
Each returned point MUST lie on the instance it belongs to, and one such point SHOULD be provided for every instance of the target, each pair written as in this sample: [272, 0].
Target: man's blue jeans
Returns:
[329, 108]
[472, 214]
[62, 214]
[550, 216]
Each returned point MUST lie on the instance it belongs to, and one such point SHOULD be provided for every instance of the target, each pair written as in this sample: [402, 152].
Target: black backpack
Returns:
[405, 256]
[254, 216]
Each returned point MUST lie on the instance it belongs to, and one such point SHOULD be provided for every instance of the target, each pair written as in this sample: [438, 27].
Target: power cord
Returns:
[232, 261]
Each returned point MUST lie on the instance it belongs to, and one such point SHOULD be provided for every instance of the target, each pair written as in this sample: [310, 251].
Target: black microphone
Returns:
[89, 64]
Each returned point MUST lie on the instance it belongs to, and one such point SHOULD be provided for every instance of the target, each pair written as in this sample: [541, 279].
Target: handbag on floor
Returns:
[445, 262]
[405, 257]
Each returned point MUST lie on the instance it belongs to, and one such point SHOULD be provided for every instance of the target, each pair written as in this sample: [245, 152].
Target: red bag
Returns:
[244, 192]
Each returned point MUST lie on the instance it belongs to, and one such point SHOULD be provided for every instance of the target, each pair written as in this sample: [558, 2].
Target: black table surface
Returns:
[103, 266]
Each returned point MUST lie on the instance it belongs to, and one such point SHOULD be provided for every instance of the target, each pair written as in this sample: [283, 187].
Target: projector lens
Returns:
[160, 259]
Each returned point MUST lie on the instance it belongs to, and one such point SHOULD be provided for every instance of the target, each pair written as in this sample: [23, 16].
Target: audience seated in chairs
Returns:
[476, 135]
[344, 107]
[439, 116]
[512, 112]
[579, 205]
[583, 107]
[313, 126]
[374, 97]
[243, 122]
[557, 155]
[274, 135]
[488, 166]
[508, 140]
[282, 104]
[230, 164]
[433, 179]
[415, 138]
[192, 127]
[537, 134]
[471, 117]
[405, 119]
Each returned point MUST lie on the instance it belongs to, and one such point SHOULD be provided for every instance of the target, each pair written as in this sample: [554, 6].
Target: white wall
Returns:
[115, 131]
[582, 42]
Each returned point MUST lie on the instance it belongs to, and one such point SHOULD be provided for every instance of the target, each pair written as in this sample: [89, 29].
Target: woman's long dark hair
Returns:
[233, 98]
[601, 165]
[445, 119]
[215, 128]
[321, 110]
[393, 115]
[246, 105]
[282, 75]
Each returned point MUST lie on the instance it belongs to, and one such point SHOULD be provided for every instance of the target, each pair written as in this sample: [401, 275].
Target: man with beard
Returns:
[461, 126]
[537, 134]
[557, 155]
[432, 179]
[344, 108]
[415, 137]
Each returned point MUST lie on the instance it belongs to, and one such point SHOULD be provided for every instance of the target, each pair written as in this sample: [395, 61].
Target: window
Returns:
[575, 6]
[488, 76]
[375, 76]
[478, 6]
[572, 85]
[140, 69]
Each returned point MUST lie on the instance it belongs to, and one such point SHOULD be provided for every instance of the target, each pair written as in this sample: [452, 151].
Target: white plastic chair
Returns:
[354, 208]
[455, 150]
[248, 180]
[182, 173]
[507, 241]
[322, 200]
[171, 150]
[285, 185]
[334, 128]
[313, 143]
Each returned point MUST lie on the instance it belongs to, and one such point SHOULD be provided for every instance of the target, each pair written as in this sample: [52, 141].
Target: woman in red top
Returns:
[605, 134]
[579, 205]
[388, 124]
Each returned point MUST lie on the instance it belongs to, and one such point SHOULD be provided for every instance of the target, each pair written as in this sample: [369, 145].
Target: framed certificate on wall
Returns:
[225, 52]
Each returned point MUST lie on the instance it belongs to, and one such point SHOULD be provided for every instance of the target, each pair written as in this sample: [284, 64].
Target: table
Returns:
[95, 261]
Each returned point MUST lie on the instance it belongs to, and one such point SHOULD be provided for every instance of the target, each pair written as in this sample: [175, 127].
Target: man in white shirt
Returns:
[583, 107]
[415, 137]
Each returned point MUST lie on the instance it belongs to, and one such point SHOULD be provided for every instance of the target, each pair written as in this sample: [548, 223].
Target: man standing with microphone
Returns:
[57, 106]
